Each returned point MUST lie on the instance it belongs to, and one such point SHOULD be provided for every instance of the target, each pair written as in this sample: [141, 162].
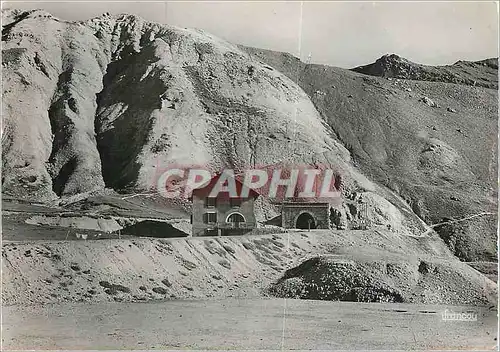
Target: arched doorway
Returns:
[235, 223]
[305, 221]
[235, 218]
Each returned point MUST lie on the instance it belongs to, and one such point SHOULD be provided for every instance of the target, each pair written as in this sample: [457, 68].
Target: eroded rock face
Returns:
[50, 80]
[112, 100]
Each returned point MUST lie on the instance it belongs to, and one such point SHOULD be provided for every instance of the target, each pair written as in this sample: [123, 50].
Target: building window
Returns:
[210, 218]
[210, 202]
[235, 202]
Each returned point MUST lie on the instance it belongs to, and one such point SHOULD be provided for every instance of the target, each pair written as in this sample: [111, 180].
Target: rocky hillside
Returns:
[482, 73]
[432, 143]
[109, 102]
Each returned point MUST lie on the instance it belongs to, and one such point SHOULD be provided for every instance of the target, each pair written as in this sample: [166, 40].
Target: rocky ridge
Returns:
[482, 73]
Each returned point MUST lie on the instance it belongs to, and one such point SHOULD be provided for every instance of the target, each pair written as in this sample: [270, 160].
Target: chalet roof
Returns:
[307, 202]
[302, 203]
[205, 190]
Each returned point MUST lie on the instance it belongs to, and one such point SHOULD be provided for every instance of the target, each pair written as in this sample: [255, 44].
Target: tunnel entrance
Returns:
[305, 221]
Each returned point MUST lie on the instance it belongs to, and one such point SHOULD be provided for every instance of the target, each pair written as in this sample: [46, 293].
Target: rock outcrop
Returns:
[482, 73]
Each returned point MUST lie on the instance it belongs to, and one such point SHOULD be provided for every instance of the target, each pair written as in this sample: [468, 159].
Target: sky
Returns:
[343, 34]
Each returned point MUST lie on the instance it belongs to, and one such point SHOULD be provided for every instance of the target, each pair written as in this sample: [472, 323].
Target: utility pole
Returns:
[363, 215]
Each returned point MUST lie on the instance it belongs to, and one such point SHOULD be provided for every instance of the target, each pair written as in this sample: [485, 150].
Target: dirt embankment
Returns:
[143, 269]
[153, 269]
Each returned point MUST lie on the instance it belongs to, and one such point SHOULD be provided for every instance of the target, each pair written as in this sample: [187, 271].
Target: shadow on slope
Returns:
[151, 228]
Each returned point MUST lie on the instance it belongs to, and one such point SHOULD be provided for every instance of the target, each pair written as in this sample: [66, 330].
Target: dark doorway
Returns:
[305, 221]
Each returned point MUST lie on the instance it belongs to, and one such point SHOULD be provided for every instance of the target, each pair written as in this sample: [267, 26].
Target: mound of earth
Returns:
[439, 156]
[386, 280]
[482, 73]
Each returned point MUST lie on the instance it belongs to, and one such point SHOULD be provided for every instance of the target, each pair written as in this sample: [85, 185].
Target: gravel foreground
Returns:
[270, 324]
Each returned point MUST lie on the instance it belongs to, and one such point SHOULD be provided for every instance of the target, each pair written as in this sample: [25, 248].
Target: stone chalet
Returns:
[222, 215]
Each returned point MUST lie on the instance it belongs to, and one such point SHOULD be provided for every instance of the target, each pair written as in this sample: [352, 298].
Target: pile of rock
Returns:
[429, 102]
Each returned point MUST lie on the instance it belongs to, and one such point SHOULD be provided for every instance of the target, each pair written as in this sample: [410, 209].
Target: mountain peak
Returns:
[389, 65]
[390, 57]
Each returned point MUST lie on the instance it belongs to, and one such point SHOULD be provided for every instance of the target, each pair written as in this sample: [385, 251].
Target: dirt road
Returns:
[245, 324]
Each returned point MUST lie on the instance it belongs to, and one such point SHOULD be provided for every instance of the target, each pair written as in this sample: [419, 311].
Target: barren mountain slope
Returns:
[441, 158]
[113, 100]
[127, 96]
